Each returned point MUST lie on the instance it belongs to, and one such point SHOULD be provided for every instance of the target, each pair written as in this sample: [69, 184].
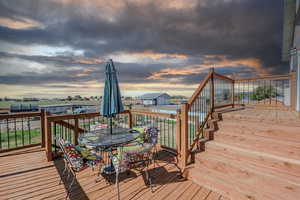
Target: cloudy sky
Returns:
[56, 48]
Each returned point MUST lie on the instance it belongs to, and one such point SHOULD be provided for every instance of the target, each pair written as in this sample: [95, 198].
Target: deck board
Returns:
[25, 174]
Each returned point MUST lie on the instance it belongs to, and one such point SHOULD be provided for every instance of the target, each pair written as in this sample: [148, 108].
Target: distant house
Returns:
[156, 99]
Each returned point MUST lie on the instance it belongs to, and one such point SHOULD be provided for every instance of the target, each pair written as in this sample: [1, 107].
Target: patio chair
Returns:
[136, 156]
[76, 159]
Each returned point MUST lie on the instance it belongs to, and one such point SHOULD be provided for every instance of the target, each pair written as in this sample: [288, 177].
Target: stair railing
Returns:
[215, 91]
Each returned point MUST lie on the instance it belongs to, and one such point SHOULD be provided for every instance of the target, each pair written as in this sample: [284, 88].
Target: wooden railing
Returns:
[215, 91]
[69, 127]
[168, 125]
[276, 90]
[21, 130]
[180, 132]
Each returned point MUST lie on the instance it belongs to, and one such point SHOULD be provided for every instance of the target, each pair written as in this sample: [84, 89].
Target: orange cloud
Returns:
[24, 23]
[154, 55]
[208, 63]
[88, 61]
[85, 72]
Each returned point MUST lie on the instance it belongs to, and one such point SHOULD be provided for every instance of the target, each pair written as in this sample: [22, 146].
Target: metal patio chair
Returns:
[136, 156]
[76, 159]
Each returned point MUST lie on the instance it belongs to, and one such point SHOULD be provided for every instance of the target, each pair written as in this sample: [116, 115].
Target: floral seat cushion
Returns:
[72, 155]
[129, 154]
[89, 157]
[79, 158]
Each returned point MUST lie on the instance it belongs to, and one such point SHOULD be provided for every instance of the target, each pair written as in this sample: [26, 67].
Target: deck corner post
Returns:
[129, 119]
[48, 138]
[212, 92]
[76, 131]
[43, 133]
[184, 136]
[293, 86]
[232, 96]
[178, 134]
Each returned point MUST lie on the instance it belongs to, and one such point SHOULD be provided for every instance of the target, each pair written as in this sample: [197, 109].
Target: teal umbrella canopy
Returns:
[111, 99]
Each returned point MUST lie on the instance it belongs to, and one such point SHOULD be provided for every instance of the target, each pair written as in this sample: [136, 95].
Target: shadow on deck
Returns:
[25, 174]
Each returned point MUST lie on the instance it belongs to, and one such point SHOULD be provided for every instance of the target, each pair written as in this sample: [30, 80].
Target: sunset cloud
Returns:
[56, 46]
[23, 23]
[209, 62]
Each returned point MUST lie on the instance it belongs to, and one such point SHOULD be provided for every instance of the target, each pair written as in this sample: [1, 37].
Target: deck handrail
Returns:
[20, 130]
[203, 101]
[267, 91]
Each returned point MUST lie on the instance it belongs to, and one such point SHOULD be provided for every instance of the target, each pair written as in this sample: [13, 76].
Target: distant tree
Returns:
[78, 97]
[263, 92]
[69, 98]
[128, 98]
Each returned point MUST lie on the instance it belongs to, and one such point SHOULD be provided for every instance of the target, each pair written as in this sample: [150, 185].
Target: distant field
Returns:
[50, 102]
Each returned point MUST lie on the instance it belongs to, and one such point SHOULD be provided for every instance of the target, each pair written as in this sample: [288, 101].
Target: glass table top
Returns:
[103, 138]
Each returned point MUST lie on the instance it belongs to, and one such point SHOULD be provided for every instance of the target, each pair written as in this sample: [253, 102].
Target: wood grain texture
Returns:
[26, 174]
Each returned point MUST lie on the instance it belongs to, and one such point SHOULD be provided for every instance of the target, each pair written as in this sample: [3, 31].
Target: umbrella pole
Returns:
[111, 125]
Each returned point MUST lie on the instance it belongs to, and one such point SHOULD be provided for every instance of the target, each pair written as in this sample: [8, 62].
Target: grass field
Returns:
[48, 102]
[19, 138]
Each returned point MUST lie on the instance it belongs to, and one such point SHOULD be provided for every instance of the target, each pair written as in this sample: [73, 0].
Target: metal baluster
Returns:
[22, 131]
[270, 92]
[276, 91]
[7, 124]
[54, 131]
[0, 134]
[15, 124]
[29, 129]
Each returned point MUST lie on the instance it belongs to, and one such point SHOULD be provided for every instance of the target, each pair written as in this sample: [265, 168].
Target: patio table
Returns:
[104, 140]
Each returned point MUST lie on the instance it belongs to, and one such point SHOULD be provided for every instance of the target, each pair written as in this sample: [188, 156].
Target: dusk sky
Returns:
[57, 48]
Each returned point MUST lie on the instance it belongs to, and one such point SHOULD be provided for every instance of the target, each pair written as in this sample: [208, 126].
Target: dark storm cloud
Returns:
[238, 29]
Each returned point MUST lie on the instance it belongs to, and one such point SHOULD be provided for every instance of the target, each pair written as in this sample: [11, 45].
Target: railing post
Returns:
[184, 135]
[76, 131]
[129, 119]
[232, 96]
[293, 90]
[178, 134]
[212, 91]
[43, 133]
[48, 138]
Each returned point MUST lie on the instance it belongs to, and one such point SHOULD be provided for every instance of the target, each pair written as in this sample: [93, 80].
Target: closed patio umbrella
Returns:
[111, 100]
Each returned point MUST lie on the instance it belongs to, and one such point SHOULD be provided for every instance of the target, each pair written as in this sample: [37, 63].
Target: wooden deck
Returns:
[25, 174]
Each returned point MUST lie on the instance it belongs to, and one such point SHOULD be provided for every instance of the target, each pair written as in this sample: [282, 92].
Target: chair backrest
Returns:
[152, 135]
[71, 155]
[62, 144]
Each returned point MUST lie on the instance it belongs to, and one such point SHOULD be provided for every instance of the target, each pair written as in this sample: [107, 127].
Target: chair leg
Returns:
[117, 183]
[148, 177]
[63, 174]
[70, 187]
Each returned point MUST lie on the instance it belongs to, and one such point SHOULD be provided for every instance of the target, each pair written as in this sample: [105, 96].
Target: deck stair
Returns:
[251, 156]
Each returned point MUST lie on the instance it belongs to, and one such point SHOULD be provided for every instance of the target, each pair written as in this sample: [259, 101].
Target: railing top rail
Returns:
[20, 115]
[200, 88]
[271, 77]
[223, 77]
[76, 116]
[155, 114]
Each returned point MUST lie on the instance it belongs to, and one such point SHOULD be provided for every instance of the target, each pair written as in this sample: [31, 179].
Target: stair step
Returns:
[279, 167]
[220, 186]
[239, 180]
[260, 144]
[287, 133]
[262, 118]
